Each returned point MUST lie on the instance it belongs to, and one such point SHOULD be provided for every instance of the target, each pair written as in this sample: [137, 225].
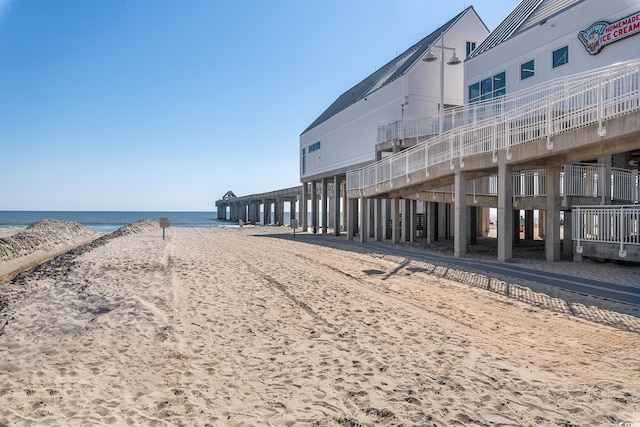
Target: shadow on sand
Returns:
[617, 315]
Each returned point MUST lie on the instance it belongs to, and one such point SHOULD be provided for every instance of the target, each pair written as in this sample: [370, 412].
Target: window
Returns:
[560, 56]
[527, 70]
[474, 92]
[304, 161]
[499, 85]
[314, 147]
[470, 47]
[491, 87]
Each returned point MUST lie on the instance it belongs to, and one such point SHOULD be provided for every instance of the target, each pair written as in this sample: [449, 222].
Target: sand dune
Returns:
[41, 236]
[222, 326]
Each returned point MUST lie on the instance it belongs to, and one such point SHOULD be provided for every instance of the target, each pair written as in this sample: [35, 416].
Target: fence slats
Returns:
[520, 118]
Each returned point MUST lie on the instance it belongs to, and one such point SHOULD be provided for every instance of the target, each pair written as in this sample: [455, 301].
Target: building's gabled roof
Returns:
[527, 14]
[386, 74]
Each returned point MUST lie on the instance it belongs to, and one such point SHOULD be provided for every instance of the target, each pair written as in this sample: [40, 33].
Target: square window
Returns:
[560, 56]
[474, 92]
[527, 70]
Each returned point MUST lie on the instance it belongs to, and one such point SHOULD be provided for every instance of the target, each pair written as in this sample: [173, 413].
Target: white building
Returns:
[550, 123]
[345, 135]
[542, 40]
[547, 40]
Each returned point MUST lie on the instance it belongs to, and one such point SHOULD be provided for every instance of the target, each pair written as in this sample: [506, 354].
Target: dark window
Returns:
[560, 56]
[527, 70]
[488, 88]
[474, 92]
[470, 47]
[304, 161]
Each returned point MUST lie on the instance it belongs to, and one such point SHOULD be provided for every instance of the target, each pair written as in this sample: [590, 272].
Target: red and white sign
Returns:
[601, 33]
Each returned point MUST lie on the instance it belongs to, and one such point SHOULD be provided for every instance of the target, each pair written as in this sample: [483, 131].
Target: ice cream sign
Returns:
[601, 33]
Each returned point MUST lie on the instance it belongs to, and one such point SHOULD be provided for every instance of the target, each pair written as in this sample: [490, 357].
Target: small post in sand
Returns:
[294, 225]
[164, 223]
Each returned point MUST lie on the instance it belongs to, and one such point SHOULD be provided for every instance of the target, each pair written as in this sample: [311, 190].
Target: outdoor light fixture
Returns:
[454, 60]
[429, 56]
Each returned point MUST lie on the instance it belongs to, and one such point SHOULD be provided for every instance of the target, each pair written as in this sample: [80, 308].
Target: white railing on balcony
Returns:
[583, 180]
[577, 180]
[527, 116]
[625, 185]
[606, 224]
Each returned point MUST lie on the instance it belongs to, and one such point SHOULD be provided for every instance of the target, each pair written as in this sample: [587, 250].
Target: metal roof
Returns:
[527, 14]
[384, 75]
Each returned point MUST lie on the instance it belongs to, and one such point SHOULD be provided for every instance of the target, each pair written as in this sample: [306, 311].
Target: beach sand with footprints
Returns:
[230, 327]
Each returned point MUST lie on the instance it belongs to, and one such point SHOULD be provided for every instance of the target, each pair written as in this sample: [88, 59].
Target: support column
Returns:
[304, 207]
[505, 213]
[292, 209]
[314, 207]
[363, 210]
[528, 225]
[441, 225]
[277, 212]
[395, 220]
[542, 223]
[343, 215]
[336, 205]
[413, 206]
[406, 220]
[460, 217]
[472, 225]
[267, 212]
[567, 236]
[325, 209]
[552, 240]
[377, 220]
[352, 218]
[388, 218]
[256, 212]
[430, 221]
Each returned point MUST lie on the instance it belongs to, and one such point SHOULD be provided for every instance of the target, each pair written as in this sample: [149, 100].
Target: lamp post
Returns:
[454, 60]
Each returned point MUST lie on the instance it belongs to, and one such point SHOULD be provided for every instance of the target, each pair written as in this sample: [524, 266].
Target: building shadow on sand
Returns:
[598, 310]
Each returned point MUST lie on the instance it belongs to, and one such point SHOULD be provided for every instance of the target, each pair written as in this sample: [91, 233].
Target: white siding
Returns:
[539, 42]
[349, 137]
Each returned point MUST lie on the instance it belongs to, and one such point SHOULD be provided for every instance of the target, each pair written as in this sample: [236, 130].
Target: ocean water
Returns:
[110, 221]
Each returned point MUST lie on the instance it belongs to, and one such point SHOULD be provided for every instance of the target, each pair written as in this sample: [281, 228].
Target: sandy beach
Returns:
[230, 327]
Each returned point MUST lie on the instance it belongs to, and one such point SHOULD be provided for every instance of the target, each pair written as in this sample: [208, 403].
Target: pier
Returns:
[263, 208]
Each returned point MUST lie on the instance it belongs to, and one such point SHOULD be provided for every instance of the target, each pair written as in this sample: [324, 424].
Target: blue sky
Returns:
[167, 104]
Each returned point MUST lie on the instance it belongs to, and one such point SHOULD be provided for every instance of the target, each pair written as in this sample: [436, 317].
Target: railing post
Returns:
[549, 122]
[602, 131]
[450, 139]
[426, 160]
[406, 166]
[494, 140]
[622, 252]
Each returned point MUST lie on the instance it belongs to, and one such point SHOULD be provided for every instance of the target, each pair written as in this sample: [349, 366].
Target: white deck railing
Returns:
[537, 113]
[618, 225]
[576, 180]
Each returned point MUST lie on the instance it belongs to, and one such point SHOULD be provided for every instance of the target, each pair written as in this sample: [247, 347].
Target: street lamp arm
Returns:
[454, 60]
